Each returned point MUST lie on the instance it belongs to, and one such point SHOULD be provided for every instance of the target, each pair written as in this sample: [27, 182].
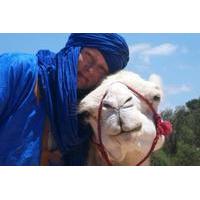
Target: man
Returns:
[33, 87]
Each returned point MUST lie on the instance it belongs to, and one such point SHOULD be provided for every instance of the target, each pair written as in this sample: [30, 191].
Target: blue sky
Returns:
[175, 57]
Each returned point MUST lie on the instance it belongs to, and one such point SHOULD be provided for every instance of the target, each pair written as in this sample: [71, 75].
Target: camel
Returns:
[122, 121]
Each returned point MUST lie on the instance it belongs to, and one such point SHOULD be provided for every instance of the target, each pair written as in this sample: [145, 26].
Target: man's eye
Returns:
[89, 61]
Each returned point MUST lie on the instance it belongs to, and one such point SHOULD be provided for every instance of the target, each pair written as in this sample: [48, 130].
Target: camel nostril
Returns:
[128, 103]
[129, 99]
[108, 105]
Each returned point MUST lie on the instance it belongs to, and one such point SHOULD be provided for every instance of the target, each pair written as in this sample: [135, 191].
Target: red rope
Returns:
[100, 145]
[162, 128]
[150, 151]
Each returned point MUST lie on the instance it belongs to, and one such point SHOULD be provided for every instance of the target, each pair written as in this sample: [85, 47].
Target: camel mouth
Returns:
[128, 133]
[136, 129]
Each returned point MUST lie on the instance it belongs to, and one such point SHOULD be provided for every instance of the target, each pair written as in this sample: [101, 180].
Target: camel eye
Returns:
[156, 98]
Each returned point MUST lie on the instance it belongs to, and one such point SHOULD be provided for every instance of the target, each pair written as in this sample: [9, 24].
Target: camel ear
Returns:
[154, 78]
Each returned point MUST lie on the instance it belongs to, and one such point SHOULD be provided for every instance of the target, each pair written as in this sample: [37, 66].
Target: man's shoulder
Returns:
[18, 58]
[18, 62]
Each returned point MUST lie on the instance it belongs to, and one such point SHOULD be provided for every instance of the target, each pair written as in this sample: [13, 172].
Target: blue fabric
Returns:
[21, 116]
[112, 46]
[58, 81]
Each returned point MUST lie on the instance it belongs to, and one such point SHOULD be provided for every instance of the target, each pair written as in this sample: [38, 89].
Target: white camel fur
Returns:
[127, 123]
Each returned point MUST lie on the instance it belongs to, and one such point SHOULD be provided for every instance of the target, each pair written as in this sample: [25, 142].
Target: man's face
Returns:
[92, 68]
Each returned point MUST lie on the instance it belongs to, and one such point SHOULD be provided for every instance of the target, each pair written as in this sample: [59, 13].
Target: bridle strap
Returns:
[100, 145]
[150, 151]
[157, 122]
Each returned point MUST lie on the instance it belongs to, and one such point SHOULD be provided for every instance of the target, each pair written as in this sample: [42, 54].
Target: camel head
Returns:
[127, 125]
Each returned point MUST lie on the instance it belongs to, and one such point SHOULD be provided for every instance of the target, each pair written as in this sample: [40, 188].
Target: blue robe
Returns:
[21, 115]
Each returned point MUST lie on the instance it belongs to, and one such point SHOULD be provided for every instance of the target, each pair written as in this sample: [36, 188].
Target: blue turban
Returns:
[58, 82]
[112, 46]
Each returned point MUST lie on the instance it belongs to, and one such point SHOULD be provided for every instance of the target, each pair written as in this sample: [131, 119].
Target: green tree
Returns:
[183, 146]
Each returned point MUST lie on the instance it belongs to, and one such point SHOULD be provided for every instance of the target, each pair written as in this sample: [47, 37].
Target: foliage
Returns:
[183, 146]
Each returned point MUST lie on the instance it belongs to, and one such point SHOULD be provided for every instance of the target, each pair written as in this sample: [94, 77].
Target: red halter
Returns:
[162, 128]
